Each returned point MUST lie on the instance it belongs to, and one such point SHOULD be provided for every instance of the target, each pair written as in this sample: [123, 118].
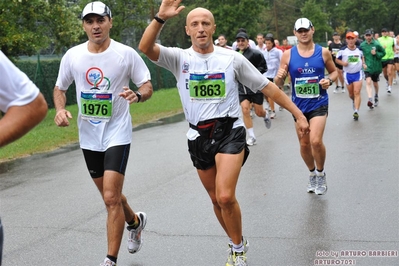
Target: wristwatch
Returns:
[331, 82]
[159, 19]
[138, 94]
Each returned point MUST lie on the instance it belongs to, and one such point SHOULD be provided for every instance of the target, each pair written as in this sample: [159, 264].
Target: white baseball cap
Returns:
[98, 8]
[356, 33]
[303, 23]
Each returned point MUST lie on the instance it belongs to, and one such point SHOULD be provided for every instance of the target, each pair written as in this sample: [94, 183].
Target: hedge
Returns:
[44, 71]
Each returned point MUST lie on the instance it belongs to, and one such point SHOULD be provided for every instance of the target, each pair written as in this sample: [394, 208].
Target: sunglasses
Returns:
[241, 40]
[300, 31]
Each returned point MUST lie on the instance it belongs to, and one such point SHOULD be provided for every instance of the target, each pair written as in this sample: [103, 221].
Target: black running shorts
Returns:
[203, 151]
[374, 77]
[256, 98]
[321, 111]
[114, 159]
[387, 62]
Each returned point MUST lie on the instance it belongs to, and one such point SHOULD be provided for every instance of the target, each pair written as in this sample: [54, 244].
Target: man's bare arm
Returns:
[20, 119]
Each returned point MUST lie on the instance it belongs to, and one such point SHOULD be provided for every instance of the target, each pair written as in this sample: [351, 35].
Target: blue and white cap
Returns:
[98, 8]
[303, 23]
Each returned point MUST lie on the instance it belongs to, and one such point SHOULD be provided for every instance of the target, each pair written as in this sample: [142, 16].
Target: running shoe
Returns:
[280, 108]
[370, 105]
[108, 262]
[268, 122]
[312, 183]
[389, 90]
[135, 241]
[272, 115]
[355, 116]
[321, 184]
[343, 89]
[336, 89]
[237, 259]
[375, 101]
[251, 141]
[394, 82]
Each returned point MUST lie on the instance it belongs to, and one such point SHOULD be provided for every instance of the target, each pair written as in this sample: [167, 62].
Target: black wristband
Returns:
[331, 82]
[158, 19]
[138, 94]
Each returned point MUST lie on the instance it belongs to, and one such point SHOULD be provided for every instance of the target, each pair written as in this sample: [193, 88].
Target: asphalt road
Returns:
[53, 214]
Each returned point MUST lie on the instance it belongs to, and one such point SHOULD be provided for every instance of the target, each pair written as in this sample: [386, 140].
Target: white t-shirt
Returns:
[208, 83]
[108, 71]
[16, 89]
[273, 58]
[353, 57]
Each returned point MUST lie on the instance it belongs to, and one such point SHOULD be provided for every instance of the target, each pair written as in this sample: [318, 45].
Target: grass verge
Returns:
[47, 136]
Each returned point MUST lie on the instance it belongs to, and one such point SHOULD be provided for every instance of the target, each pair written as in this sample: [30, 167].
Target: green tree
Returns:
[319, 18]
[230, 15]
[360, 15]
[28, 26]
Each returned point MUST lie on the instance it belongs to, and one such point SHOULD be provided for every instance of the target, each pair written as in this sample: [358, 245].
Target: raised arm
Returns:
[282, 72]
[167, 10]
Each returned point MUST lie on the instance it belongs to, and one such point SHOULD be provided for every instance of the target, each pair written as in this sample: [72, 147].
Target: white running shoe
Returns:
[312, 183]
[321, 185]
[108, 262]
[268, 122]
[135, 241]
[251, 141]
[231, 261]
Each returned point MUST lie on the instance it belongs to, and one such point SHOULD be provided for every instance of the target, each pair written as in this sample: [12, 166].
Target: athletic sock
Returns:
[320, 172]
[133, 224]
[239, 247]
[312, 171]
[112, 258]
[251, 132]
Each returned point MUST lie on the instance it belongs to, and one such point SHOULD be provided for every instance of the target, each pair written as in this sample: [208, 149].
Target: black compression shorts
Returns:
[114, 159]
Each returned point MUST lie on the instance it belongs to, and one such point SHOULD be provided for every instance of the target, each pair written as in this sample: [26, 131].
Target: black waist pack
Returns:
[216, 128]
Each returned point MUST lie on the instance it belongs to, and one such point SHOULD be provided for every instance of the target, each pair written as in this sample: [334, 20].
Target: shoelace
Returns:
[240, 261]
[320, 181]
[313, 181]
[134, 235]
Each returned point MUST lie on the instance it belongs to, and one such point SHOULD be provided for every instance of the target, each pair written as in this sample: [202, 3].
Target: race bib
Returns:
[353, 59]
[209, 87]
[96, 105]
[335, 51]
[307, 87]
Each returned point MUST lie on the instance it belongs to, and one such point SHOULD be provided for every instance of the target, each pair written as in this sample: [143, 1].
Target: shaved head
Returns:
[199, 11]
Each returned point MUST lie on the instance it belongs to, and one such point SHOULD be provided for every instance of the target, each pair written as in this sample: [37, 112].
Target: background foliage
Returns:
[28, 27]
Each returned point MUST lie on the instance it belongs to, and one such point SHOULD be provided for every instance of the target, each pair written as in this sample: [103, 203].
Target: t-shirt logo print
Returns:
[95, 77]
[307, 69]
[185, 67]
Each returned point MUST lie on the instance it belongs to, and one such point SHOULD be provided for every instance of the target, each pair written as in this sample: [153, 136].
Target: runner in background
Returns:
[334, 47]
